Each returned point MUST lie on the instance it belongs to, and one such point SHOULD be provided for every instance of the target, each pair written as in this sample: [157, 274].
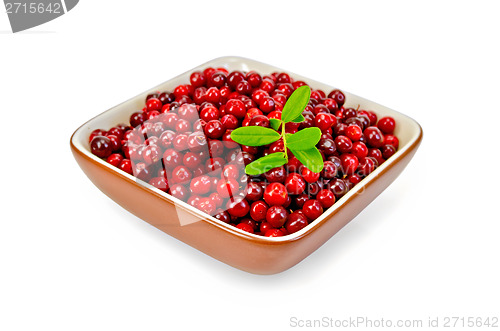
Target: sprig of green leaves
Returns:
[302, 144]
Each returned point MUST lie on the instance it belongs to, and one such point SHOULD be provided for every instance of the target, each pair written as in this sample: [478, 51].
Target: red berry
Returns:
[372, 117]
[387, 151]
[354, 179]
[214, 129]
[228, 142]
[217, 79]
[286, 89]
[153, 104]
[182, 125]
[201, 185]
[213, 95]
[390, 139]
[277, 174]
[213, 164]
[374, 137]
[160, 183]
[318, 94]
[386, 125]
[245, 227]
[197, 142]
[294, 165]
[295, 184]
[194, 200]
[295, 222]
[273, 233]
[343, 144]
[258, 210]
[259, 95]
[366, 166]
[329, 170]
[254, 79]
[170, 120]
[180, 175]
[265, 226]
[359, 150]
[166, 97]
[253, 112]
[310, 176]
[376, 154]
[283, 78]
[209, 113]
[312, 209]
[231, 171]
[215, 148]
[182, 90]
[274, 114]
[191, 160]
[259, 120]
[179, 191]
[101, 146]
[126, 165]
[275, 194]
[222, 216]
[324, 121]
[230, 122]
[97, 132]
[151, 154]
[326, 198]
[171, 158]
[353, 132]
[117, 132]
[236, 108]
[238, 207]
[227, 187]
[216, 198]
[349, 163]
[206, 205]
[267, 85]
[338, 96]
[115, 159]
[276, 216]
[234, 78]
[267, 104]
[338, 187]
[197, 79]
[180, 142]
[254, 191]
[243, 88]
[188, 112]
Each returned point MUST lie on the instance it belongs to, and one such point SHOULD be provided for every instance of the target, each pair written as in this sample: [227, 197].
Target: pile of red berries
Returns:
[180, 143]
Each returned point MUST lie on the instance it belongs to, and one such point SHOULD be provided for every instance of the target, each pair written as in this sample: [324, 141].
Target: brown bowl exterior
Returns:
[245, 251]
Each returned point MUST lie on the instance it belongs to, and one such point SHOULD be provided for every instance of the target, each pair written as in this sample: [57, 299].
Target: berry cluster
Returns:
[180, 143]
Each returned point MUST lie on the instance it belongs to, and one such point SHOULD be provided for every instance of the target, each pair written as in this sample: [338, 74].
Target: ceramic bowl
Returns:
[246, 251]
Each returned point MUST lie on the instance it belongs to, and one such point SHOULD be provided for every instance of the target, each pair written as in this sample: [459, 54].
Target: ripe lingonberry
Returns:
[275, 194]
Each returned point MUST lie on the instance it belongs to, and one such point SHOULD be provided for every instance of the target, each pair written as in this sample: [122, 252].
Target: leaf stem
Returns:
[284, 141]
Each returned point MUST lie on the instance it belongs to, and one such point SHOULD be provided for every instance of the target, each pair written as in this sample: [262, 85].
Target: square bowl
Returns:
[240, 249]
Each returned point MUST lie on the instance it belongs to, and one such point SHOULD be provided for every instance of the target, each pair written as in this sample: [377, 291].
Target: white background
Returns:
[71, 259]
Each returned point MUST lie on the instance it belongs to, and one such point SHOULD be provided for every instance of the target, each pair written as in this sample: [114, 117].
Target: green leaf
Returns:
[299, 119]
[254, 135]
[266, 163]
[303, 139]
[275, 123]
[311, 158]
[296, 104]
